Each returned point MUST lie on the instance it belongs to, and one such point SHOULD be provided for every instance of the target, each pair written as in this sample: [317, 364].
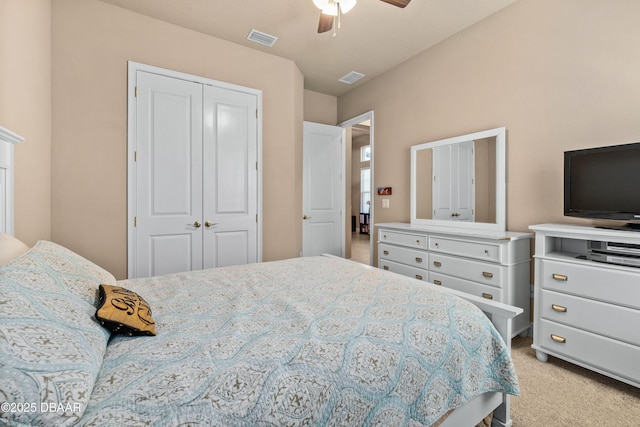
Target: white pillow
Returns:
[10, 248]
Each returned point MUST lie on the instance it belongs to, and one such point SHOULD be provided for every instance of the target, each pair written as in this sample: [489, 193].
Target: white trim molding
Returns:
[8, 140]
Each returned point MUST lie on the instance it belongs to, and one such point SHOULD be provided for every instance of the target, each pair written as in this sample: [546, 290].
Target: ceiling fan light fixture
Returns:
[330, 7]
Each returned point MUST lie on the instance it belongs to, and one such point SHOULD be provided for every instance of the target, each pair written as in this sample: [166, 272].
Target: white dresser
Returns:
[587, 312]
[493, 265]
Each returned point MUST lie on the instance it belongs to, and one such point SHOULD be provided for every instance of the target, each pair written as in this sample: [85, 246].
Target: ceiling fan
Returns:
[333, 9]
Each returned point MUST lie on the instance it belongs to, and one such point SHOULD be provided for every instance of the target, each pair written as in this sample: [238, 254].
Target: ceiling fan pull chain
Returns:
[334, 26]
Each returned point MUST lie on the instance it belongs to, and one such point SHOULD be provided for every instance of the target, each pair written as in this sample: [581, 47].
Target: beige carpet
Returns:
[558, 394]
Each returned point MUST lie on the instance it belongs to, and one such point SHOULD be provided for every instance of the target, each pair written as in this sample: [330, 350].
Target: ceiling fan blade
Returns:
[325, 24]
[399, 3]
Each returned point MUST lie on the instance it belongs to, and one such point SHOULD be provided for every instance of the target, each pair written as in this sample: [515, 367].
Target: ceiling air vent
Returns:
[351, 78]
[262, 38]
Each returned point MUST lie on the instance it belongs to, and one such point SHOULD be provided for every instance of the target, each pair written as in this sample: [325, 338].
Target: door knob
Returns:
[306, 217]
[197, 224]
[209, 224]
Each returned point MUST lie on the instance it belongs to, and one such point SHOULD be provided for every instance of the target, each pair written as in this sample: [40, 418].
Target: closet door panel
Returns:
[230, 177]
[168, 175]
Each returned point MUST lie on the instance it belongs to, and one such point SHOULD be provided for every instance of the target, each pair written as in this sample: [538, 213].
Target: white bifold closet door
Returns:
[195, 176]
[454, 182]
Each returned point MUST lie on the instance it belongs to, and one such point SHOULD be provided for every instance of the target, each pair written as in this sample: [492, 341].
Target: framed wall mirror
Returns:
[460, 181]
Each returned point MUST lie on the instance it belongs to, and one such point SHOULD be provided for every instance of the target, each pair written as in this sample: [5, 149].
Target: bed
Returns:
[317, 341]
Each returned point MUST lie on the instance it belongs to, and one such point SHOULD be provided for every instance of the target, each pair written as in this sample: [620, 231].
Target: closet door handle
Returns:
[210, 224]
[197, 224]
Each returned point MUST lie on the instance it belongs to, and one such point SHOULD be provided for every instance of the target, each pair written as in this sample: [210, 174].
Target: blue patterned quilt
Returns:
[304, 342]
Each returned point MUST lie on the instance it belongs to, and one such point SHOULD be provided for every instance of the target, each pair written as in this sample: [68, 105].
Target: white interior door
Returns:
[194, 184]
[230, 172]
[454, 182]
[322, 195]
[169, 175]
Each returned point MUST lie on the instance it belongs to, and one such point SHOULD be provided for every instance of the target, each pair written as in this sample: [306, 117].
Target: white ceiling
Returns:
[373, 38]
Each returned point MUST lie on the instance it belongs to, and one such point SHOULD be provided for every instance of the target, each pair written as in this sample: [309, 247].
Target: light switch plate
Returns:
[385, 203]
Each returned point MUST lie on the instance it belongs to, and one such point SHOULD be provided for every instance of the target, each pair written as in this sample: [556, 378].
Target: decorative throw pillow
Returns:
[124, 312]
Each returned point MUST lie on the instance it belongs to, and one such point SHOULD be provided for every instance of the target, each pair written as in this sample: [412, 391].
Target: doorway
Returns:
[360, 203]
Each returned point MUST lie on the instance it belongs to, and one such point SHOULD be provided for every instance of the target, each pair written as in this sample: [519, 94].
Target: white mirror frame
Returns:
[501, 190]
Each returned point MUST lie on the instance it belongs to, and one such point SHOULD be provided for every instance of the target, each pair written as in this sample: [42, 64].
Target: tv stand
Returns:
[585, 311]
[630, 226]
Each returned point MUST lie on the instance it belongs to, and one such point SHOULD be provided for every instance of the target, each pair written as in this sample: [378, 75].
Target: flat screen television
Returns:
[603, 183]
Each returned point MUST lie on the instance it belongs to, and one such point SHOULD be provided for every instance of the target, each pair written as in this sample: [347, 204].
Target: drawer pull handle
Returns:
[386, 267]
[384, 236]
[437, 282]
[487, 296]
[417, 242]
[560, 277]
[436, 244]
[558, 339]
[486, 251]
[559, 308]
[418, 259]
[437, 263]
[386, 252]
[487, 274]
[419, 277]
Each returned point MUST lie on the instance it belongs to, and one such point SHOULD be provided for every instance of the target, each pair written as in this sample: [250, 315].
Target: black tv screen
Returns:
[603, 182]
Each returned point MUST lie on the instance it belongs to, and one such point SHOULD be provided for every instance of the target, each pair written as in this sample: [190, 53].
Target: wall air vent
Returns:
[351, 78]
[262, 38]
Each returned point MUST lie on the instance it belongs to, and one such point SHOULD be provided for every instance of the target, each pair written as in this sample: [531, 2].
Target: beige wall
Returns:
[91, 44]
[320, 108]
[25, 108]
[558, 74]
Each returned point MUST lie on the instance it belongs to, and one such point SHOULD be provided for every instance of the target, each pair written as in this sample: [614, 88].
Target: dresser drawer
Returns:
[473, 288]
[481, 272]
[600, 352]
[594, 316]
[479, 250]
[405, 270]
[405, 239]
[411, 257]
[604, 284]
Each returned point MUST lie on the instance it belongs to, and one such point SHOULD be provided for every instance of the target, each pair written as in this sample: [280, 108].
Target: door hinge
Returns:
[136, 92]
[256, 113]
[256, 165]
[135, 221]
[135, 156]
[256, 217]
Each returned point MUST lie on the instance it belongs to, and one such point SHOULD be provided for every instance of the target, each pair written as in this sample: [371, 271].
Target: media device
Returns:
[614, 252]
[603, 183]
